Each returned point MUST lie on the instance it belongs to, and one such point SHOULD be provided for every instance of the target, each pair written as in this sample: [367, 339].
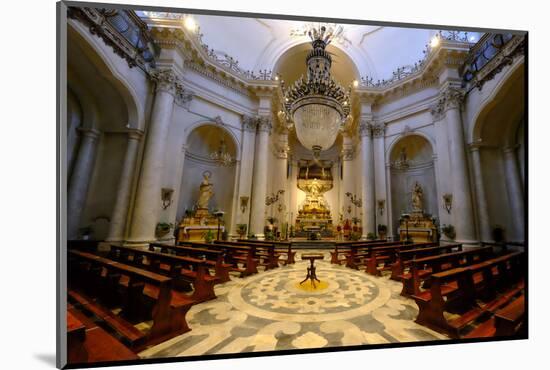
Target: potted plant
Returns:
[208, 236]
[241, 230]
[382, 231]
[355, 236]
[448, 231]
[371, 236]
[292, 232]
[163, 228]
[269, 235]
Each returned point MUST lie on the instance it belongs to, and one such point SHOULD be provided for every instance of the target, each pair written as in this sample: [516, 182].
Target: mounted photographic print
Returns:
[258, 184]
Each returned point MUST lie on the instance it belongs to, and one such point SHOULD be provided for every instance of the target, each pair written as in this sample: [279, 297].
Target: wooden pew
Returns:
[213, 258]
[93, 344]
[422, 268]
[234, 254]
[460, 289]
[281, 247]
[344, 248]
[265, 252]
[387, 256]
[404, 258]
[76, 336]
[96, 282]
[358, 254]
[181, 269]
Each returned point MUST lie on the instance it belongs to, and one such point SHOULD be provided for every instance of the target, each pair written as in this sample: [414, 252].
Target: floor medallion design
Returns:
[271, 311]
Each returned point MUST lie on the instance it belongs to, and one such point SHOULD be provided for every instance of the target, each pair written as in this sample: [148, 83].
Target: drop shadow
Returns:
[46, 358]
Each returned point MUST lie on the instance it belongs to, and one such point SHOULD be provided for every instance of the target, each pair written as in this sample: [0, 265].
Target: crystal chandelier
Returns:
[221, 155]
[318, 105]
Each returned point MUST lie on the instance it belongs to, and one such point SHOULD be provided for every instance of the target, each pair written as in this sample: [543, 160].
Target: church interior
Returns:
[241, 185]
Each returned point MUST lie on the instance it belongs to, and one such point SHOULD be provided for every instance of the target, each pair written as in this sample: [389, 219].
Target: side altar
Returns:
[417, 225]
[193, 226]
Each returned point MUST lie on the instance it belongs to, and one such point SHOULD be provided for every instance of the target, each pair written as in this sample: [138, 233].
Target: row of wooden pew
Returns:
[159, 284]
[468, 293]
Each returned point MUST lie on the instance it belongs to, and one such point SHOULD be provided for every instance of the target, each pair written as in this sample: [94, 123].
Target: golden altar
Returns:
[314, 213]
[419, 227]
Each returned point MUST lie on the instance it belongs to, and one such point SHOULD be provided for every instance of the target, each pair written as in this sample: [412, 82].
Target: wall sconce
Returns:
[244, 204]
[448, 202]
[381, 205]
[166, 196]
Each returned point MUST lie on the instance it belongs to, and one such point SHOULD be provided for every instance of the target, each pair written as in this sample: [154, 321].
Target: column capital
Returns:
[134, 134]
[450, 97]
[90, 133]
[168, 80]
[264, 123]
[249, 123]
[510, 149]
[365, 128]
[378, 129]
[165, 80]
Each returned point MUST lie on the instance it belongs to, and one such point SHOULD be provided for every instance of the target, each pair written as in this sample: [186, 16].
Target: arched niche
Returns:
[500, 129]
[412, 161]
[97, 99]
[201, 142]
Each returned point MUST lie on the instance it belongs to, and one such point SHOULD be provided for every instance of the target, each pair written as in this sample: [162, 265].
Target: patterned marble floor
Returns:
[270, 311]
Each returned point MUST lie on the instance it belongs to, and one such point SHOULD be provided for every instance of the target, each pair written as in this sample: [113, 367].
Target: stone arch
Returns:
[344, 69]
[397, 139]
[93, 50]
[229, 133]
[504, 87]
[420, 168]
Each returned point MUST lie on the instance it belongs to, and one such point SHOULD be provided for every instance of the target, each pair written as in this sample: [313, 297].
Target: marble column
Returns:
[378, 131]
[80, 179]
[515, 193]
[348, 178]
[259, 180]
[245, 171]
[449, 104]
[389, 210]
[148, 198]
[367, 178]
[120, 211]
[280, 172]
[481, 199]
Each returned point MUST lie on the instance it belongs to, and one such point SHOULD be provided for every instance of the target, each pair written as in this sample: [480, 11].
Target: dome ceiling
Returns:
[258, 44]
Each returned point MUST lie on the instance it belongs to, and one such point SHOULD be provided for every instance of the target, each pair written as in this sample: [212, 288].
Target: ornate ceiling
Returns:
[280, 45]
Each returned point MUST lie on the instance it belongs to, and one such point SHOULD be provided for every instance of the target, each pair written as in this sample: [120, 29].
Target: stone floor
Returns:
[271, 311]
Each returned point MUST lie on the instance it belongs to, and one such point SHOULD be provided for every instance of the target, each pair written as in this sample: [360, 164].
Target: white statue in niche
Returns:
[417, 197]
[205, 190]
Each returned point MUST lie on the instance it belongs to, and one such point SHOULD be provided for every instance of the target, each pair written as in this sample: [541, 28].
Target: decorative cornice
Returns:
[122, 30]
[478, 69]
